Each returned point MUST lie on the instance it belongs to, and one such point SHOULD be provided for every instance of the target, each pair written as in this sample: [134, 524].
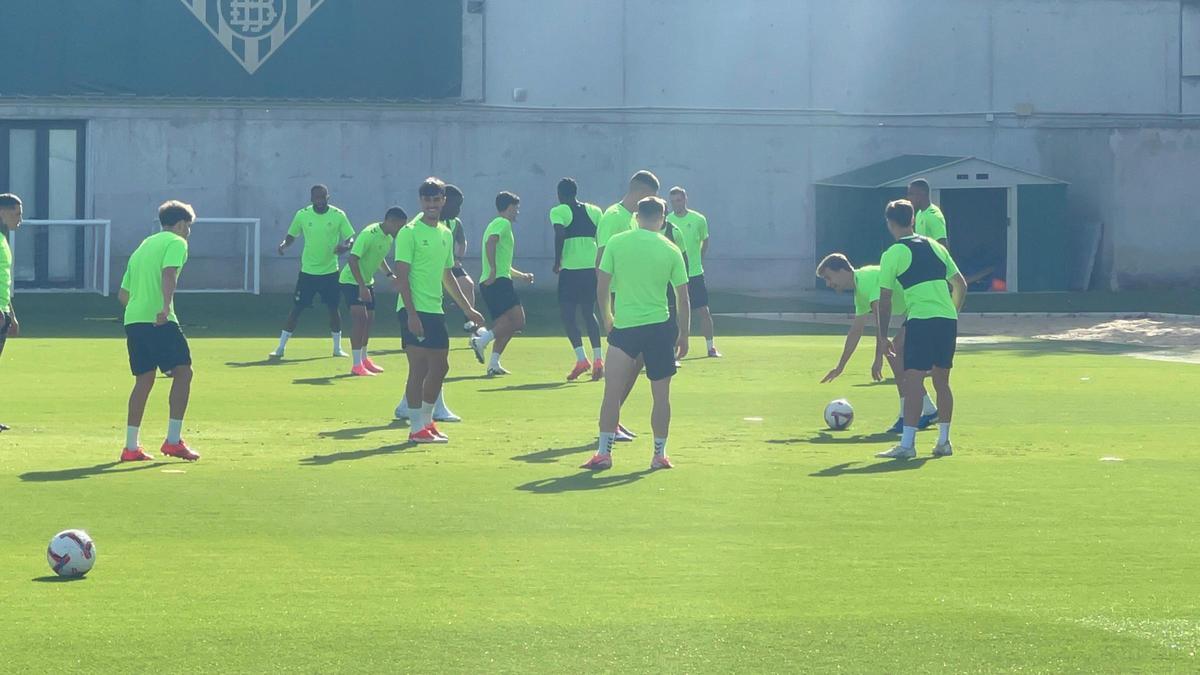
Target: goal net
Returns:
[224, 256]
[62, 256]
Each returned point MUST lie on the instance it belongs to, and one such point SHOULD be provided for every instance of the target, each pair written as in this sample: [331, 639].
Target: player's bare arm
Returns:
[603, 298]
[169, 276]
[853, 336]
[450, 283]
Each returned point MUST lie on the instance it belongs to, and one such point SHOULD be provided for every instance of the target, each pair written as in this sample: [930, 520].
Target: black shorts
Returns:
[325, 285]
[434, 325]
[929, 343]
[697, 292]
[500, 296]
[577, 287]
[5, 322]
[655, 342]
[163, 347]
[350, 293]
[458, 271]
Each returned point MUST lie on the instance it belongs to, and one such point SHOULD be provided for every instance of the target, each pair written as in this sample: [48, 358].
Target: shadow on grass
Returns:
[551, 455]
[825, 438]
[1054, 347]
[584, 480]
[537, 386]
[55, 579]
[359, 432]
[886, 466]
[106, 469]
[322, 381]
[325, 460]
[888, 382]
[273, 362]
[464, 378]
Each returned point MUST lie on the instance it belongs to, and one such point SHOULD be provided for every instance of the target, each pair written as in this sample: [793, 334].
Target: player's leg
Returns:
[301, 300]
[660, 368]
[358, 339]
[567, 311]
[138, 342]
[621, 368]
[4, 321]
[331, 296]
[586, 299]
[467, 285]
[947, 337]
[918, 354]
[896, 362]
[436, 348]
[698, 300]
[175, 357]
[510, 323]
[366, 339]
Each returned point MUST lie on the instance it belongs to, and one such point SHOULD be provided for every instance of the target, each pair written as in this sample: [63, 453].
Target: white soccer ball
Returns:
[839, 414]
[71, 553]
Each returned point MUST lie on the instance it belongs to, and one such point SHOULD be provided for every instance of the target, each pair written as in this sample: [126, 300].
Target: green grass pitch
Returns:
[311, 538]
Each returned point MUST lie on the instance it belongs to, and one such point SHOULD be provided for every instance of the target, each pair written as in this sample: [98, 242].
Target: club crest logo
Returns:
[252, 30]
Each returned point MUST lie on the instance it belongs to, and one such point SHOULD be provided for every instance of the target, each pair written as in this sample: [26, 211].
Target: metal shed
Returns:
[1006, 220]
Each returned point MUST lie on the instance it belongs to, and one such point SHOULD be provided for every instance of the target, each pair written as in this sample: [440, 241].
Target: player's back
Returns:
[143, 275]
[642, 263]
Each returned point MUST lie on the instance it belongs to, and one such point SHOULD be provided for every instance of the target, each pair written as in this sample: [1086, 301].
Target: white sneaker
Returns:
[478, 348]
[340, 353]
[277, 354]
[402, 411]
[445, 415]
[898, 452]
[943, 449]
[622, 437]
[493, 371]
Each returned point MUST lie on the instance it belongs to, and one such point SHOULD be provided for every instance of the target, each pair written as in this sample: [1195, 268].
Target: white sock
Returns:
[485, 336]
[927, 406]
[909, 438]
[426, 414]
[131, 438]
[358, 356]
[943, 433]
[364, 353]
[597, 353]
[414, 420]
[495, 360]
[174, 431]
[712, 343]
[660, 446]
[337, 341]
[284, 336]
[606, 443]
[580, 355]
[901, 407]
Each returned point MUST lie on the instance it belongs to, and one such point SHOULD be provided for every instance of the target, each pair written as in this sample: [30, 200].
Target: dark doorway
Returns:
[977, 227]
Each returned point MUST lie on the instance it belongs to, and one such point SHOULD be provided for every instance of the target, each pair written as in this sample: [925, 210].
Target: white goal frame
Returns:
[101, 250]
[252, 265]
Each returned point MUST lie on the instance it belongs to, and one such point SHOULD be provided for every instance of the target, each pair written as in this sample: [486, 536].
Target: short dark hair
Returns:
[396, 213]
[678, 191]
[920, 184]
[9, 200]
[319, 186]
[453, 191]
[568, 188]
[652, 207]
[432, 187]
[900, 212]
[834, 262]
[506, 199]
[646, 178]
[172, 212]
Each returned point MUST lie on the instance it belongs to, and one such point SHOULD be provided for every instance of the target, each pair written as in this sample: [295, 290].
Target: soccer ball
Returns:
[71, 553]
[839, 414]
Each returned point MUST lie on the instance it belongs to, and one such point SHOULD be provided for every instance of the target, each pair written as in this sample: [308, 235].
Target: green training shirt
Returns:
[371, 247]
[694, 227]
[616, 219]
[143, 276]
[642, 263]
[501, 228]
[6, 261]
[322, 233]
[931, 223]
[866, 291]
[925, 290]
[579, 253]
[430, 252]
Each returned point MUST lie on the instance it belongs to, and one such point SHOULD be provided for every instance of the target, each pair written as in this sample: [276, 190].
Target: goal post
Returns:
[224, 256]
[62, 256]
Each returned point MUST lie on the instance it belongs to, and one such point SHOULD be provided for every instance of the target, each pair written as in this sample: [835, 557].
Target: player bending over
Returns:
[358, 283]
[636, 266]
[840, 275]
[922, 267]
[152, 332]
[508, 316]
[424, 260]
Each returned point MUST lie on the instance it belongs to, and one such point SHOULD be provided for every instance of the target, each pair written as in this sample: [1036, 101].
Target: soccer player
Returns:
[922, 267]
[358, 283]
[618, 218]
[694, 227]
[575, 225]
[327, 234]
[637, 265]
[840, 275]
[424, 260]
[929, 219]
[10, 220]
[508, 316]
[152, 332]
[450, 216]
